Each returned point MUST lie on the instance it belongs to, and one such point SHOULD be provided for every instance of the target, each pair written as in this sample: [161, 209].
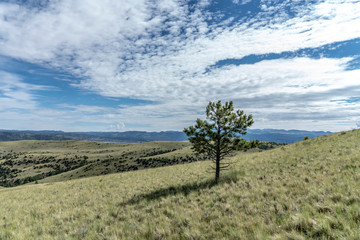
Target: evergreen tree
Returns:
[222, 135]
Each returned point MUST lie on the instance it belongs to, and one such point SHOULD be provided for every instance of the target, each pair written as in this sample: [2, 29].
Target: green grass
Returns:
[308, 190]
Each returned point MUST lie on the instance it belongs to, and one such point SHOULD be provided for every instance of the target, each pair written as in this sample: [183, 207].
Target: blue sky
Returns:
[154, 65]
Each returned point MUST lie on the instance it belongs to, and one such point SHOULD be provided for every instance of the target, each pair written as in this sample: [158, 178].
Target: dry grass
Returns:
[73, 159]
[309, 190]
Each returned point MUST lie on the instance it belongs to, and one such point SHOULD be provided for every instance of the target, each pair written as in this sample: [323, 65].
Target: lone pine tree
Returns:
[222, 135]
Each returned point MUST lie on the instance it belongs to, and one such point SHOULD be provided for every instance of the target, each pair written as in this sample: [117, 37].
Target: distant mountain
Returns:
[282, 136]
[267, 135]
[120, 137]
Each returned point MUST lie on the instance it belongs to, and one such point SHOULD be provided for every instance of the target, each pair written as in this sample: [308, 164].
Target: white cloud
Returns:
[117, 126]
[160, 51]
[241, 2]
[300, 89]
[168, 74]
[15, 94]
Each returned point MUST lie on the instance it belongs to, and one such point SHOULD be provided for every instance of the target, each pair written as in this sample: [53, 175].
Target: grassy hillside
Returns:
[27, 161]
[22, 162]
[139, 156]
[308, 190]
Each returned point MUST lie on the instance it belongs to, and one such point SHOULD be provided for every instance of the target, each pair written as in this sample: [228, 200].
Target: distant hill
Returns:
[267, 135]
[116, 137]
[282, 136]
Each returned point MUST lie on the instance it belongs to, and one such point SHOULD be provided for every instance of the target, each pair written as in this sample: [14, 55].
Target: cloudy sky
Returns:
[118, 65]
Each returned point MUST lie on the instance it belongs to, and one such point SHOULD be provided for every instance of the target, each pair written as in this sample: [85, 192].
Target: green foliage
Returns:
[269, 145]
[222, 134]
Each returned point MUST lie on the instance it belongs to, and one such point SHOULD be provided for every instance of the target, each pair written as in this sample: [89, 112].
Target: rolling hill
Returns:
[27, 161]
[22, 162]
[307, 190]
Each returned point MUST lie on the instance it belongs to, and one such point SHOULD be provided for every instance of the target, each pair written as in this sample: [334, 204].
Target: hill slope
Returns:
[302, 191]
[52, 161]
[26, 161]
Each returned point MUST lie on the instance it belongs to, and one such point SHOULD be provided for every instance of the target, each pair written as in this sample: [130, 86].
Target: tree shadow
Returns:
[184, 189]
[169, 191]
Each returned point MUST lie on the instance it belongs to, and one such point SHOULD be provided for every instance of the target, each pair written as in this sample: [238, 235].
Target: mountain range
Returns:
[267, 135]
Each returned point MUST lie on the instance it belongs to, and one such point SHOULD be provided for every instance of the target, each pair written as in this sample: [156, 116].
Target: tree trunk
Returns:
[217, 170]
